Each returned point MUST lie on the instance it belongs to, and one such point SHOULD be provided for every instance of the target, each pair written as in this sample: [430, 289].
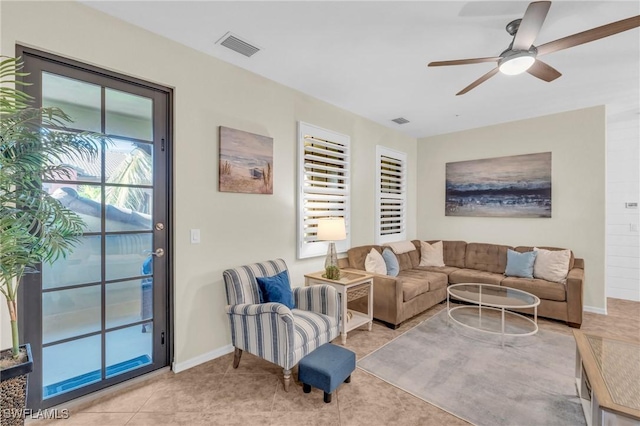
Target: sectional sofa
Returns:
[417, 288]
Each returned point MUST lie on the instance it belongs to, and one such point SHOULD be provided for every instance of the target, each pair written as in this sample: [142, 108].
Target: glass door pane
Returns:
[61, 375]
[78, 99]
[128, 115]
[129, 348]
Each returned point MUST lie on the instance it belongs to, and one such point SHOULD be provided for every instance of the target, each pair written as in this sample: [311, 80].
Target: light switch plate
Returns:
[195, 236]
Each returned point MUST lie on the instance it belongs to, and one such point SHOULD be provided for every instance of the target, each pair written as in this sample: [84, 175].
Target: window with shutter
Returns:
[324, 186]
[391, 195]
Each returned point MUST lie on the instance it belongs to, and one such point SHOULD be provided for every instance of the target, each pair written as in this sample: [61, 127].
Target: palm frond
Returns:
[34, 227]
[136, 169]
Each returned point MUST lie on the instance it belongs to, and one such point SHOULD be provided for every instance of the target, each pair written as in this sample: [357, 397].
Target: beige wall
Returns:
[235, 228]
[577, 142]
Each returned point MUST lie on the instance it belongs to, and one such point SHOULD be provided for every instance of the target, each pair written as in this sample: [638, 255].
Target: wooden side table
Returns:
[350, 286]
[608, 379]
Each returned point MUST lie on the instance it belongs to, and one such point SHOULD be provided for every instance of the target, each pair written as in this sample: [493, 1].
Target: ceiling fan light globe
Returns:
[516, 64]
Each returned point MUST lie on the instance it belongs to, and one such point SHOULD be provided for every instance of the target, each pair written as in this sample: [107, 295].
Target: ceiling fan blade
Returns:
[479, 81]
[589, 35]
[543, 71]
[530, 25]
[462, 62]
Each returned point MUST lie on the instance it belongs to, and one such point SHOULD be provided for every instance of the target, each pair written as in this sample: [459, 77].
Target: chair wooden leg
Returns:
[287, 380]
[237, 354]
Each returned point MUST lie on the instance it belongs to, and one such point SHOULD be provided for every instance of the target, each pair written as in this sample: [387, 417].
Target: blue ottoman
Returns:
[326, 368]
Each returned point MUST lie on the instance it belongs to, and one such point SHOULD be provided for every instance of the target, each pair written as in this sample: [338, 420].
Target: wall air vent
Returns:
[235, 43]
[400, 120]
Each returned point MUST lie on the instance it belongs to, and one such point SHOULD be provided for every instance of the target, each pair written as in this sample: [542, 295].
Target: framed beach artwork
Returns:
[246, 162]
[515, 186]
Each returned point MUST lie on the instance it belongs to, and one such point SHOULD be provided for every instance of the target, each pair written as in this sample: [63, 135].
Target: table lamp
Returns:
[331, 229]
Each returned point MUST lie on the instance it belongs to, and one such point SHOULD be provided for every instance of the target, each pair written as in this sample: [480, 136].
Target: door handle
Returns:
[158, 253]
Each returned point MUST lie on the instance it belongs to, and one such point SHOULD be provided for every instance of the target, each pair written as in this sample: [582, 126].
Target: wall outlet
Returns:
[195, 236]
[633, 227]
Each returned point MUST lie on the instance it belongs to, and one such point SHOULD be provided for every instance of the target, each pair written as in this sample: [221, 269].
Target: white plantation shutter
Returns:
[324, 182]
[391, 195]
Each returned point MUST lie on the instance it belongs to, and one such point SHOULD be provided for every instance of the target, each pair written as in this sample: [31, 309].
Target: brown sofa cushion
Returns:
[416, 282]
[407, 260]
[454, 252]
[543, 289]
[486, 257]
[437, 280]
[357, 256]
[475, 276]
[441, 269]
[522, 249]
[412, 285]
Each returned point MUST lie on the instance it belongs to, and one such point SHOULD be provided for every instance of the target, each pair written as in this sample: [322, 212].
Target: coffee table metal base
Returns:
[503, 313]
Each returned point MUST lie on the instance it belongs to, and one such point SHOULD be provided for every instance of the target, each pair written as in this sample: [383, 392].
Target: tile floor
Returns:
[216, 394]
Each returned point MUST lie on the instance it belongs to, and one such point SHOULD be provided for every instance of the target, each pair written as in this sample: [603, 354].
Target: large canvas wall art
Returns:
[516, 186]
[246, 162]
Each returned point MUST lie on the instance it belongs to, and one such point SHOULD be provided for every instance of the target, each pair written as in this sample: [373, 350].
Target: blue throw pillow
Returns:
[390, 259]
[520, 264]
[276, 289]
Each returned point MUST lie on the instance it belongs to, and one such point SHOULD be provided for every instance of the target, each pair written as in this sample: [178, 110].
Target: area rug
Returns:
[528, 381]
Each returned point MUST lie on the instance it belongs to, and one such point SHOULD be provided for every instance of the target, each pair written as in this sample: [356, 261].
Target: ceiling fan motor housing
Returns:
[512, 54]
[512, 27]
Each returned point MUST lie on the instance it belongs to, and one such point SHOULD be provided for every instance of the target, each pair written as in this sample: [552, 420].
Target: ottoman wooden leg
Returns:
[327, 397]
[306, 388]
[348, 379]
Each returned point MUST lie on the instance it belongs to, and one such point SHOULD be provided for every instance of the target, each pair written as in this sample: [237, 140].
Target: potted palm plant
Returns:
[34, 227]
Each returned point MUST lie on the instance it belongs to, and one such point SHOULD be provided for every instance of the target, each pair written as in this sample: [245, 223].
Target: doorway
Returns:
[101, 315]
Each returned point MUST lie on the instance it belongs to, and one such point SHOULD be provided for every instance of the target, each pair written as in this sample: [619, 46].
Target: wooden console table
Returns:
[350, 286]
[608, 379]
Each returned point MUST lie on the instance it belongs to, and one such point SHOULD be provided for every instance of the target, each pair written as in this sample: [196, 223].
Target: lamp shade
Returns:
[331, 229]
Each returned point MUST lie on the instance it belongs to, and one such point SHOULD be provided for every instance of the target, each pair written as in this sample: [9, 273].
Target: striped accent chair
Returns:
[272, 331]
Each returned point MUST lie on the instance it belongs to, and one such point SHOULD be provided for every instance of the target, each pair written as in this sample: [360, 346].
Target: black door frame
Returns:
[33, 327]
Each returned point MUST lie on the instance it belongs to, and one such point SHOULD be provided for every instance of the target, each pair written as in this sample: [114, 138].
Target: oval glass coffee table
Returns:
[495, 298]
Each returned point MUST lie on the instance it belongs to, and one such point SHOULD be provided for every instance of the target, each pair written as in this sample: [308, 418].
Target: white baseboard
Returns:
[200, 359]
[593, 309]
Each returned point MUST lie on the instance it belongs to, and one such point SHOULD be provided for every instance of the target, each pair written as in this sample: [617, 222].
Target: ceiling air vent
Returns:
[400, 120]
[236, 44]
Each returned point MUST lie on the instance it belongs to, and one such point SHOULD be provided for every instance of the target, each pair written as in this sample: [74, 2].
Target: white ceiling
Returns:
[370, 57]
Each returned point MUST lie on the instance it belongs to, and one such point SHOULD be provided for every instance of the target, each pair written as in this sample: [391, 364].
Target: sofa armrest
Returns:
[343, 263]
[387, 296]
[575, 289]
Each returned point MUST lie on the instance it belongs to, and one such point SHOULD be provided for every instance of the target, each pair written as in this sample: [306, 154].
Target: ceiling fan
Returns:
[522, 55]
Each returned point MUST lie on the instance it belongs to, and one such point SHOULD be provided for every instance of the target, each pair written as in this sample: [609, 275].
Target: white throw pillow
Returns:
[552, 265]
[375, 263]
[431, 254]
